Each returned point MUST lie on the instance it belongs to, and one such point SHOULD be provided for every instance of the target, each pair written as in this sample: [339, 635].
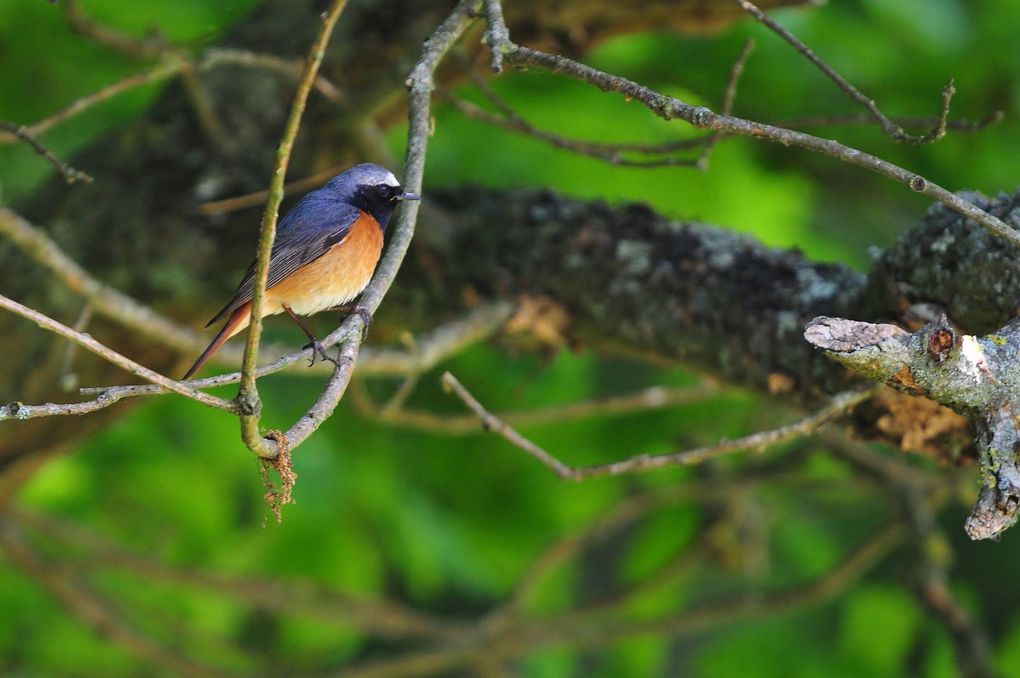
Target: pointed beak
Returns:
[408, 196]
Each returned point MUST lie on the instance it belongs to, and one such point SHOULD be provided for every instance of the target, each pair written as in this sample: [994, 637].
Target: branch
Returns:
[70, 174]
[653, 398]
[866, 119]
[607, 152]
[435, 347]
[248, 396]
[759, 441]
[421, 85]
[920, 497]
[978, 377]
[700, 117]
[298, 598]
[580, 630]
[888, 125]
[728, 100]
[105, 300]
[91, 610]
[12, 410]
[125, 44]
[172, 67]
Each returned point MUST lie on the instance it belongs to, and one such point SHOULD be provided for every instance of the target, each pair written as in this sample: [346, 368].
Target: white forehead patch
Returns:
[384, 178]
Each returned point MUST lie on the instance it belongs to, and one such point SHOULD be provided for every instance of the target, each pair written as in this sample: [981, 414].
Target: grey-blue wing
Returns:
[305, 233]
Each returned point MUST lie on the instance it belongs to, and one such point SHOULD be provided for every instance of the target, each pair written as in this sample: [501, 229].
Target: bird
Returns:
[325, 252]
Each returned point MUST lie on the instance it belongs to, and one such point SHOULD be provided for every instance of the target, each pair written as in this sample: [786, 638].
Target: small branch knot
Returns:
[940, 343]
[249, 404]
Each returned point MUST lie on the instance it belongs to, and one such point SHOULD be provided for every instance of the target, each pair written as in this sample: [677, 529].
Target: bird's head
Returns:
[371, 188]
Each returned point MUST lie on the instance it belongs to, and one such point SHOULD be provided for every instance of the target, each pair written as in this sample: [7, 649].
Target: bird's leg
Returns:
[366, 319]
[350, 309]
[317, 348]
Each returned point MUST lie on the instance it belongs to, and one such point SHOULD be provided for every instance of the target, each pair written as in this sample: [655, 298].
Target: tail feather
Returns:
[238, 321]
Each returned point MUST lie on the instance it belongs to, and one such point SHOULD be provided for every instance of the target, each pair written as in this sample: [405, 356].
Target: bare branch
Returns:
[888, 125]
[728, 100]
[668, 107]
[300, 598]
[975, 376]
[90, 609]
[434, 347]
[512, 121]
[839, 405]
[14, 410]
[223, 56]
[654, 398]
[421, 85]
[581, 630]
[70, 174]
[248, 396]
[866, 119]
[104, 299]
[83, 24]
[170, 68]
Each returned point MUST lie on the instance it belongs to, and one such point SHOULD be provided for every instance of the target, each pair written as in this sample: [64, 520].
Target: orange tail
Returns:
[238, 321]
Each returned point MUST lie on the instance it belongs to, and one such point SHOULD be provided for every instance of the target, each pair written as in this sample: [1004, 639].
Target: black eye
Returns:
[386, 192]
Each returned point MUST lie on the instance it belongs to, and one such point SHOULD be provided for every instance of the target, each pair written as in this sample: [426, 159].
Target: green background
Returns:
[449, 524]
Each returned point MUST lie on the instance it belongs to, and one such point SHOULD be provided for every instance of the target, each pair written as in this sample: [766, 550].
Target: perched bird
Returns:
[325, 252]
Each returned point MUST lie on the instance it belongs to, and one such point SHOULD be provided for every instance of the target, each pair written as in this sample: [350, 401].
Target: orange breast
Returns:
[335, 278]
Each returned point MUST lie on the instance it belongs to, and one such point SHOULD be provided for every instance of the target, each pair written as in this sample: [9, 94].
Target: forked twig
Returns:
[889, 126]
[70, 174]
[839, 405]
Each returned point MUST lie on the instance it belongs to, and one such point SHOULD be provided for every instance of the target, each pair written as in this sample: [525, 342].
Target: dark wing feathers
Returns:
[305, 233]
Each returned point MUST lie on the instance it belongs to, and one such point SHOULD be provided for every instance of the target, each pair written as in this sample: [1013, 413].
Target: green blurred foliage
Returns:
[450, 524]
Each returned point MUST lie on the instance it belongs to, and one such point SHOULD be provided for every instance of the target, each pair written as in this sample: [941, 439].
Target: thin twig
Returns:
[91, 610]
[958, 125]
[70, 174]
[170, 68]
[645, 462]
[68, 379]
[516, 123]
[421, 87]
[728, 100]
[578, 630]
[668, 108]
[174, 64]
[82, 23]
[435, 346]
[227, 205]
[11, 411]
[105, 300]
[248, 396]
[654, 398]
[894, 131]
[223, 56]
[323, 603]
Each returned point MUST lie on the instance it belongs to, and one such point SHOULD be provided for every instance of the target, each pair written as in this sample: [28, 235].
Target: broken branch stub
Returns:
[978, 377]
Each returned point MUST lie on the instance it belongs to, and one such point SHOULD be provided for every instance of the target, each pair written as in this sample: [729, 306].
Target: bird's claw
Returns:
[319, 351]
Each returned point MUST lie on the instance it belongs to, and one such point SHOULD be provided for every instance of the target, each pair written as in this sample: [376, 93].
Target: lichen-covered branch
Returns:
[979, 377]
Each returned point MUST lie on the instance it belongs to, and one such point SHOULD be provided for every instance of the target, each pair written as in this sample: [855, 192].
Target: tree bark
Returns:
[629, 279]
